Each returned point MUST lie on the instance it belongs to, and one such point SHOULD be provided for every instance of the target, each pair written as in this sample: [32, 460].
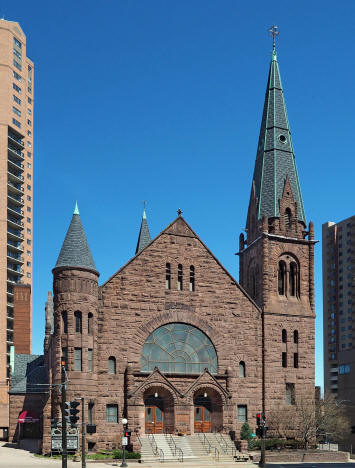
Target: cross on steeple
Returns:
[273, 32]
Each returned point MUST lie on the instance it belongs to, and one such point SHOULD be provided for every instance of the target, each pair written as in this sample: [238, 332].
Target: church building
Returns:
[171, 341]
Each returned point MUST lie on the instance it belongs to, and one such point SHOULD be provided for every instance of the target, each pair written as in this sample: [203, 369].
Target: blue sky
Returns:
[161, 101]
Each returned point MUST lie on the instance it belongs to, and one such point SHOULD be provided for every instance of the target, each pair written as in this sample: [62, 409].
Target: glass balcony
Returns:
[14, 165]
[13, 245]
[13, 138]
[15, 198]
[14, 233]
[15, 152]
[15, 210]
[15, 188]
[14, 176]
[14, 221]
[14, 268]
[17, 257]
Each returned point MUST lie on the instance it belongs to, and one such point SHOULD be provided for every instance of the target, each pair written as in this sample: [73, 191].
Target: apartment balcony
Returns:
[14, 188]
[16, 139]
[17, 258]
[14, 268]
[10, 304]
[334, 386]
[15, 198]
[14, 165]
[14, 222]
[16, 246]
[15, 152]
[10, 290]
[15, 211]
[14, 234]
[16, 177]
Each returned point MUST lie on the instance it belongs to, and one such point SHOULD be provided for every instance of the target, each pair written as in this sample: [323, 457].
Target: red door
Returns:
[202, 416]
[154, 420]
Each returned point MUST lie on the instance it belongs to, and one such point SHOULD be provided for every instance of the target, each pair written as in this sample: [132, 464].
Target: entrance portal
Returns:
[154, 416]
[208, 411]
[202, 412]
[159, 411]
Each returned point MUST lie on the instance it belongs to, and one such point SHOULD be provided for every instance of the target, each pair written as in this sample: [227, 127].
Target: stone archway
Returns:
[207, 410]
[159, 410]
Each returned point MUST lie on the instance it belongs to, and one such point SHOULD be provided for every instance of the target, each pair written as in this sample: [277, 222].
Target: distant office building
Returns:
[339, 312]
[16, 192]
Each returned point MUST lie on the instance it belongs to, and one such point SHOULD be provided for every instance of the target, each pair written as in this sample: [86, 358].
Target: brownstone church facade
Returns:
[172, 341]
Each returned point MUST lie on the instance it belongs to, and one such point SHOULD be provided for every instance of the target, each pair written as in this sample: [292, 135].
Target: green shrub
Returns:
[117, 454]
[245, 432]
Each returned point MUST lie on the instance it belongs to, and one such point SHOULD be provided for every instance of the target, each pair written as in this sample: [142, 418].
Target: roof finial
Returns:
[76, 209]
[273, 32]
[144, 213]
[179, 212]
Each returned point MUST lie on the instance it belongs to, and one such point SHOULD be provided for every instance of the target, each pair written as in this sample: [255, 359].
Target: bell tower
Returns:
[277, 256]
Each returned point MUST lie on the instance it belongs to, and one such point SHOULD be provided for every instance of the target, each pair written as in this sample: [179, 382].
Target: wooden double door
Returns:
[154, 419]
[202, 414]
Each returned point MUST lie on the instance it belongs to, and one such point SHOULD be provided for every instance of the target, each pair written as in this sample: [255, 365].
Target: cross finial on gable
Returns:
[179, 212]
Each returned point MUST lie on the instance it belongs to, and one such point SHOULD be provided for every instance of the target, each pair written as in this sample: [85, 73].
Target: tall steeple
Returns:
[144, 234]
[75, 251]
[275, 159]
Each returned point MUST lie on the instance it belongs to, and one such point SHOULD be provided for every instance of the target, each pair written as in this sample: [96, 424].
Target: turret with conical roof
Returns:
[144, 234]
[75, 251]
[75, 287]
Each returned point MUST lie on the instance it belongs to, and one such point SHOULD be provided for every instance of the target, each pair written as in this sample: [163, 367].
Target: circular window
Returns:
[282, 138]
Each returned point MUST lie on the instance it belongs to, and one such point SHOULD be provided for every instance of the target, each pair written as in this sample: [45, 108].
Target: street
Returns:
[308, 465]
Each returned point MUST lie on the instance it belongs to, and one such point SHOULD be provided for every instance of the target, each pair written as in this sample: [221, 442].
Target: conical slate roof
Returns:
[275, 157]
[75, 251]
[144, 234]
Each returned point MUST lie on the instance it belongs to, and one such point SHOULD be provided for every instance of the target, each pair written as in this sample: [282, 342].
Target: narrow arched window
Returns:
[192, 278]
[64, 322]
[284, 336]
[281, 278]
[295, 360]
[284, 359]
[179, 282]
[112, 365]
[90, 320]
[295, 336]
[78, 322]
[293, 279]
[242, 369]
[288, 218]
[167, 276]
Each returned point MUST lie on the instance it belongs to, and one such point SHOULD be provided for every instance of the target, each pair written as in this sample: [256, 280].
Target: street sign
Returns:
[72, 439]
[124, 440]
[252, 434]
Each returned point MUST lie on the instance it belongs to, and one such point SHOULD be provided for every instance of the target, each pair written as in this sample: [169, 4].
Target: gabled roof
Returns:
[75, 251]
[29, 374]
[180, 227]
[275, 157]
[144, 234]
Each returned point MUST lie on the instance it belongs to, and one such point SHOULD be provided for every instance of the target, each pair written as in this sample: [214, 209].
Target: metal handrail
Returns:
[228, 446]
[172, 444]
[221, 443]
[204, 441]
[155, 447]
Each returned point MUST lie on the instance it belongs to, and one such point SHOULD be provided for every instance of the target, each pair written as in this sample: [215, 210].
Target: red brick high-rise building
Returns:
[172, 341]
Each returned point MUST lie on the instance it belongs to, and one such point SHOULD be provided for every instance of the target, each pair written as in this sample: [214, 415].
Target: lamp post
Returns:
[124, 443]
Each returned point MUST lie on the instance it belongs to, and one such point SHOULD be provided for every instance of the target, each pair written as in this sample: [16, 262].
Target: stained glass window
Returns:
[180, 349]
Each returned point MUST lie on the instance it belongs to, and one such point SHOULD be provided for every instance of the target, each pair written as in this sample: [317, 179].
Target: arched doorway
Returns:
[208, 411]
[159, 411]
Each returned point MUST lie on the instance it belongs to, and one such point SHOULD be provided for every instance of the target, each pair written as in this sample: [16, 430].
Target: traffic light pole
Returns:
[64, 421]
[262, 455]
[83, 461]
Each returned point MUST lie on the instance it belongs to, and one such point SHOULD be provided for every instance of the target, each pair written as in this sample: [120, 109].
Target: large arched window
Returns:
[178, 348]
[281, 278]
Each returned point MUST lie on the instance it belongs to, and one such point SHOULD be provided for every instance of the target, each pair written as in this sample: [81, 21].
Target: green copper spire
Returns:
[275, 159]
[144, 234]
[76, 209]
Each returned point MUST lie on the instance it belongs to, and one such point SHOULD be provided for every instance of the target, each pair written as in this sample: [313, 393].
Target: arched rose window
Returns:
[178, 348]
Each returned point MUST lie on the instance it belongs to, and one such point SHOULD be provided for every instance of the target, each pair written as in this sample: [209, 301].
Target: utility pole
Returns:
[83, 461]
[64, 421]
